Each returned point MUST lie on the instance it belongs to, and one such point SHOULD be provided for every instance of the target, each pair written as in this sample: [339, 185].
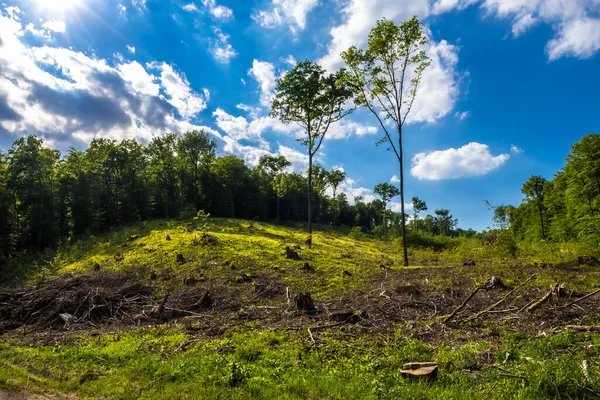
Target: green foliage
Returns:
[567, 208]
[385, 77]
[313, 100]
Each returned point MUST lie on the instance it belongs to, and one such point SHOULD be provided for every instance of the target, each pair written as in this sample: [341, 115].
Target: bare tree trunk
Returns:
[278, 201]
[542, 220]
[403, 216]
[310, 159]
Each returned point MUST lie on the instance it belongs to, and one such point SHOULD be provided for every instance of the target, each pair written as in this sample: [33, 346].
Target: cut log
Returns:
[417, 365]
[428, 373]
[449, 318]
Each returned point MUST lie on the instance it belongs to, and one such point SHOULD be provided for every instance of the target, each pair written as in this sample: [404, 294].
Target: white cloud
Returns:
[394, 179]
[217, 11]
[139, 78]
[55, 26]
[515, 149]
[575, 22]
[473, 159]
[442, 6]
[178, 91]
[290, 60]
[346, 128]
[462, 115]
[578, 38]
[221, 49]
[63, 94]
[222, 12]
[522, 24]
[131, 49]
[139, 4]
[122, 10]
[264, 73]
[437, 94]
[291, 13]
[191, 7]
[396, 207]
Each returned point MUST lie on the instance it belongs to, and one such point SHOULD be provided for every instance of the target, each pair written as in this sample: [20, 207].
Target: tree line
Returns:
[47, 198]
[563, 209]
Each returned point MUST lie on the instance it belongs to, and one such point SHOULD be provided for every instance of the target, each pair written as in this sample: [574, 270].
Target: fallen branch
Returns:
[496, 304]
[449, 318]
[582, 298]
[161, 307]
[583, 328]
[541, 301]
[319, 327]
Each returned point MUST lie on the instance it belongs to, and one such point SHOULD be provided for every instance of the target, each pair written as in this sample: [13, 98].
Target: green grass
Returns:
[154, 363]
[169, 361]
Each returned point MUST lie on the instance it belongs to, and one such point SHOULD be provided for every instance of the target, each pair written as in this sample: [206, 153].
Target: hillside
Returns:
[168, 309]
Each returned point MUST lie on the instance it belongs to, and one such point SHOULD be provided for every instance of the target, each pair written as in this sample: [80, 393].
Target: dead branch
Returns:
[496, 304]
[541, 301]
[161, 307]
[582, 298]
[583, 328]
[449, 318]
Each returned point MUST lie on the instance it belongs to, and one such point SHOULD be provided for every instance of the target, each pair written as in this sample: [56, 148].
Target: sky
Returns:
[512, 84]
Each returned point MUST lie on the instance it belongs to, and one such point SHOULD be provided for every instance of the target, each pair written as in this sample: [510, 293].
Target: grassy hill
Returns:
[169, 310]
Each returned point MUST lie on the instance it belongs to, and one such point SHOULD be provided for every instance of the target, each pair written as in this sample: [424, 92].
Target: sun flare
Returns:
[59, 5]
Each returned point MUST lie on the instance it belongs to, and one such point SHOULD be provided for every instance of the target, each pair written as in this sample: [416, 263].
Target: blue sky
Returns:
[512, 84]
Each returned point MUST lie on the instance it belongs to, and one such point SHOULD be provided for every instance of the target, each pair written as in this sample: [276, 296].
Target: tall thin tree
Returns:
[386, 76]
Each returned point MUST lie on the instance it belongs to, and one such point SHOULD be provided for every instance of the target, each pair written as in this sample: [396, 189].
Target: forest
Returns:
[47, 199]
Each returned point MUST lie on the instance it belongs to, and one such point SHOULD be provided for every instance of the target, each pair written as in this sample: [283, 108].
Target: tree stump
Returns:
[305, 303]
[180, 259]
[168, 237]
[494, 282]
[307, 267]
[420, 371]
[291, 253]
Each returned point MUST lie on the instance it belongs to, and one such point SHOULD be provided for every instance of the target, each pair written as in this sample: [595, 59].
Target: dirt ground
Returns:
[99, 302]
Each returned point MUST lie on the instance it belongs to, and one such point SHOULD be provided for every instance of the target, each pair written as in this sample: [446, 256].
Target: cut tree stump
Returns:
[305, 303]
[291, 253]
[494, 282]
[307, 267]
[167, 237]
[180, 259]
[426, 371]
[345, 316]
